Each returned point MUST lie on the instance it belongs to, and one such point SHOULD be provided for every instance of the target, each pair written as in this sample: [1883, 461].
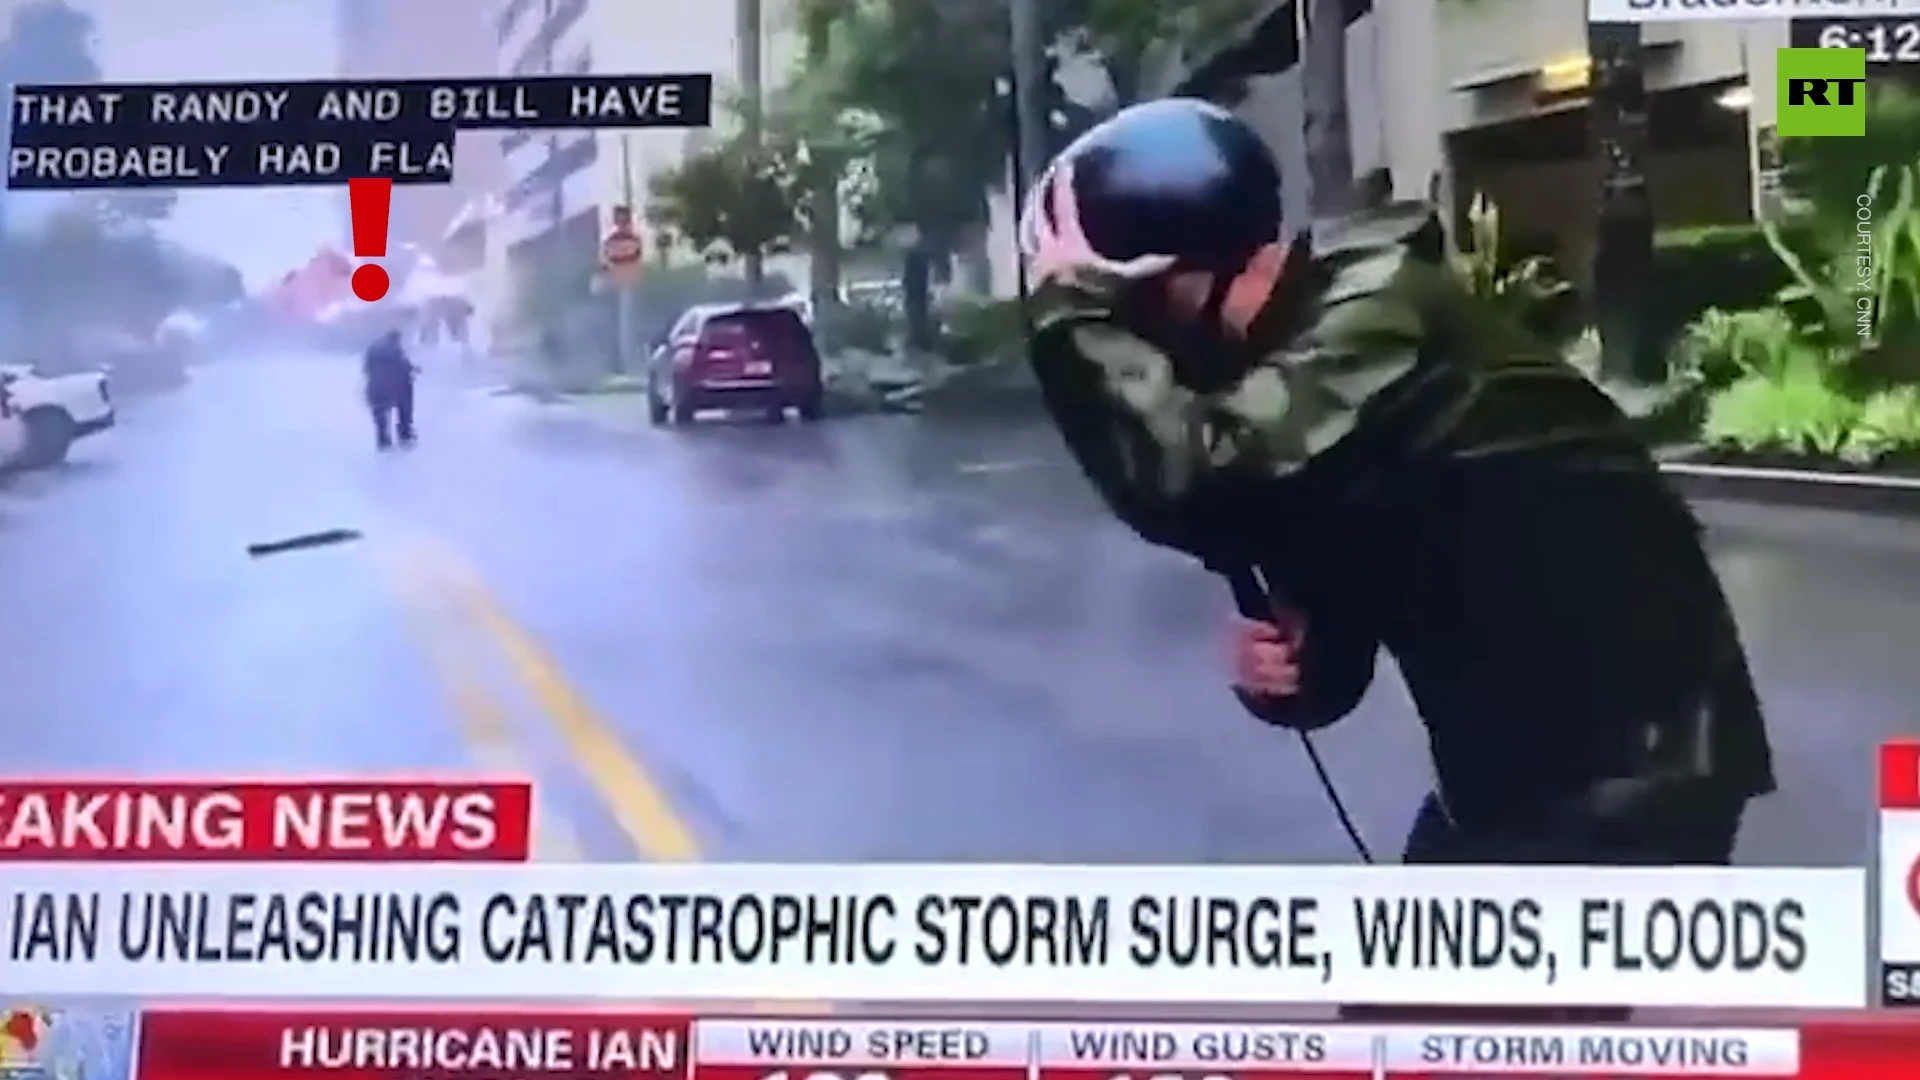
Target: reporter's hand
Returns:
[1266, 659]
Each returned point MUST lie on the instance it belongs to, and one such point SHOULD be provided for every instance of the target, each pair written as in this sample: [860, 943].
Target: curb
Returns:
[1891, 495]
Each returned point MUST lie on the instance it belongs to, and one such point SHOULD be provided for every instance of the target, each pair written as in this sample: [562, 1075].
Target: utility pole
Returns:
[552, 321]
[626, 312]
[1623, 233]
[1029, 92]
[748, 16]
[1027, 112]
[824, 275]
[1322, 26]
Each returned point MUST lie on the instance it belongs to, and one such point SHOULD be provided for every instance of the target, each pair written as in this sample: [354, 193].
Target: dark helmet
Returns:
[1177, 182]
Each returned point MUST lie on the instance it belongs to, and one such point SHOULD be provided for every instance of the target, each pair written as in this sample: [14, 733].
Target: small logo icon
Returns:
[1822, 92]
[23, 1042]
[1913, 886]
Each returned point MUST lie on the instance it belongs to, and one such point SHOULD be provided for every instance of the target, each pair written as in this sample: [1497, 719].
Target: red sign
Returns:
[1900, 775]
[622, 248]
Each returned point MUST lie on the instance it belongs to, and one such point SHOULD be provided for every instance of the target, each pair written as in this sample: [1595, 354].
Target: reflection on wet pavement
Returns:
[871, 638]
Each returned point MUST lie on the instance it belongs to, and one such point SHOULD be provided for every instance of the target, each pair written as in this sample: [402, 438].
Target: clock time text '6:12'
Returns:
[1886, 41]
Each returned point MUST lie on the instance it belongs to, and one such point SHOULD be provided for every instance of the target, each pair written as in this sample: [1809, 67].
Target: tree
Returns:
[927, 74]
[920, 76]
[48, 41]
[739, 198]
[1128, 35]
[810, 114]
[207, 283]
[819, 126]
[98, 262]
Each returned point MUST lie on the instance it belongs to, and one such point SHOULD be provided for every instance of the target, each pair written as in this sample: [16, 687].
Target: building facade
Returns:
[1458, 98]
[1509, 114]
[561, 188]
[397, 39]
[1464, 98]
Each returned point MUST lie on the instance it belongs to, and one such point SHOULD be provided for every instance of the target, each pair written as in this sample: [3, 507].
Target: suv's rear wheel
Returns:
[682, 406]
[813, 406]
[656, 409]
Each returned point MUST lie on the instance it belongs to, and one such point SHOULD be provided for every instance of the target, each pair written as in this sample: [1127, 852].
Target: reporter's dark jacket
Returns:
[1408, 469]
[387, 372]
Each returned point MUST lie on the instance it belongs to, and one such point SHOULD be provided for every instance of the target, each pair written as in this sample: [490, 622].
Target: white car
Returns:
[51, 413]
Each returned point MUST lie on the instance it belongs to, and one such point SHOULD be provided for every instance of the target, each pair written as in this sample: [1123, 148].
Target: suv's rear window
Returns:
[775, 330]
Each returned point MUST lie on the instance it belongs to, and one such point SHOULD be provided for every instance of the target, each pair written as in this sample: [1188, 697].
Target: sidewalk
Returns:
[625, 412]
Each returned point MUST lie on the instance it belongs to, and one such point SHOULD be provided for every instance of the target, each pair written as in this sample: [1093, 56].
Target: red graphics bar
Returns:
[615, 1045]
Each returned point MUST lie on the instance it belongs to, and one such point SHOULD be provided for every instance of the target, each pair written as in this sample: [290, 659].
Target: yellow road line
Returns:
[436, 581]
[636, 800]
[482, 721]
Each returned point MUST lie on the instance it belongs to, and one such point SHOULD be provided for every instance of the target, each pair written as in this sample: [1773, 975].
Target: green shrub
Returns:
[1528, 289]
[1888, 426]
[1858, 300]
[980, 330]
[1730, 267]
[1823, 176]
[1719, 347]
[859, 327]
[1806, 374]
[1797, 410]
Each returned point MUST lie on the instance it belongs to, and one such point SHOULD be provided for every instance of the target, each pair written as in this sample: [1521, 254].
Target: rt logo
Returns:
[1822, 92]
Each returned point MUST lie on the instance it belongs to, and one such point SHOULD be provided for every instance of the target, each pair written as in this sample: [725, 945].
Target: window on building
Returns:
[580, 63]
[574, 157]
[511, 15]
[534, 61]
[359, 19]
[542, 180]
[559, 18]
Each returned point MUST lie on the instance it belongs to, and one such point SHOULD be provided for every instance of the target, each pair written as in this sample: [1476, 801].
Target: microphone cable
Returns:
[1256, 600]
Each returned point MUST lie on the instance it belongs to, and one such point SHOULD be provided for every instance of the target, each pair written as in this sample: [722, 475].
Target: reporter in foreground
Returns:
[1324, 409]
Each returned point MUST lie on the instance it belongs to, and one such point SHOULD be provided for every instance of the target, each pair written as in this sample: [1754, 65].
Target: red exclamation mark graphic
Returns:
[371, 202]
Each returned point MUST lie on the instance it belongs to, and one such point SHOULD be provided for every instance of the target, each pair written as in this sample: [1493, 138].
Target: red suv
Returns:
[735, 356]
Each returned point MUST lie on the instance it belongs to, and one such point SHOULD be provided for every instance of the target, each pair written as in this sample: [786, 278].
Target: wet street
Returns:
[868, 639]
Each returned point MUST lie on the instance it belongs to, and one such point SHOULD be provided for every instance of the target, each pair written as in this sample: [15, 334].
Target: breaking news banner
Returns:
[312, 133]
[364, 1044]
[1899, 874]
[313, 821]
[965, 933]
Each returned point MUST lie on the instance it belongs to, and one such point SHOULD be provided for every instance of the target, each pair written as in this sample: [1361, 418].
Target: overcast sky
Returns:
[264, 232]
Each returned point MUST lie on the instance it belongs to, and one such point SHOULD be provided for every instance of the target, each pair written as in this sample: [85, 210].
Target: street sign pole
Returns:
[624, 300]
[625, 318]
[620, 255]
